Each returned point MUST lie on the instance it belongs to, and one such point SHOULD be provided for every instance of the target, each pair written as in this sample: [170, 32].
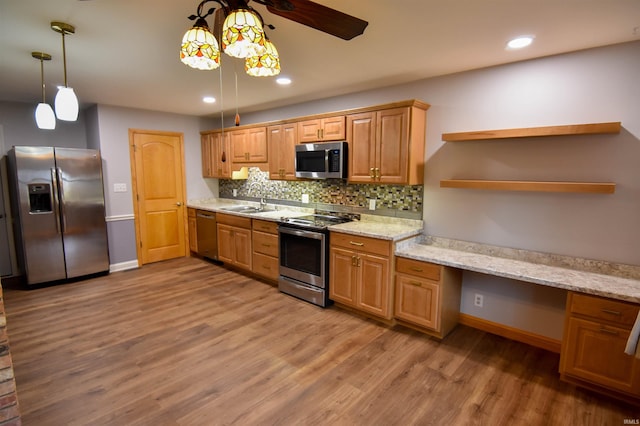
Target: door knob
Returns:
[178, 204]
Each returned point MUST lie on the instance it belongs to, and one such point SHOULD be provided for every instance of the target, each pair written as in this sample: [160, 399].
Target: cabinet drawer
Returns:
[237, 221]
[265, 226]
[357, 243]
[266, 266]
[614, 311]
[265, 243]
[420, 269]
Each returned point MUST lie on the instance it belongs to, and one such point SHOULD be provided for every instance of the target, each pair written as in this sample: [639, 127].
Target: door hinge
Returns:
[140, 244]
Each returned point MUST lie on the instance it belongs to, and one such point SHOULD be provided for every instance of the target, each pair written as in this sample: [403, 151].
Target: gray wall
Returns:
[597, 85]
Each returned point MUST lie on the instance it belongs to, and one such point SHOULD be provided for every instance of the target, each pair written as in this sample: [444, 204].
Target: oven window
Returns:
[302, 254]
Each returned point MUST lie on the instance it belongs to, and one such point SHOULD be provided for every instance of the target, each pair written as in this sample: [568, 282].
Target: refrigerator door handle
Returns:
[56, 202]
[63, 212]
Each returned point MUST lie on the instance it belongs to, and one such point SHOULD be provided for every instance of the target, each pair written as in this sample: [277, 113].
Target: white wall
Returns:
[596, 85]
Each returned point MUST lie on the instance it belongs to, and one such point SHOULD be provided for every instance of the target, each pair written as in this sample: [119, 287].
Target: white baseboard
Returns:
[123, 266]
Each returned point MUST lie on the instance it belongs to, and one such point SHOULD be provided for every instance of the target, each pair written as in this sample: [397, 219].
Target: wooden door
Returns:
[373, 285]
[392, 154]
[361, 135]
[157, 160]
[342, 285]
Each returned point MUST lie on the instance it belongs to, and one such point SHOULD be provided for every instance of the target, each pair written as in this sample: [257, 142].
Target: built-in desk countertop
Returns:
[614, 280]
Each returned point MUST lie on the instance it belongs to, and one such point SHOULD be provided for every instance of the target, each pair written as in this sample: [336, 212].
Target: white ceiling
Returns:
[125, 52]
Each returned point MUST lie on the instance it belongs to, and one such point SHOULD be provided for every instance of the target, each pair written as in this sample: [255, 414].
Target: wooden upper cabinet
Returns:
[322, 129]
[387, 146]
[281, 141]
[249, 145]
[206, 150]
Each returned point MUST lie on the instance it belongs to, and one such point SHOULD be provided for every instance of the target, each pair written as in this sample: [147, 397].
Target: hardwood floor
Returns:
[186, 342]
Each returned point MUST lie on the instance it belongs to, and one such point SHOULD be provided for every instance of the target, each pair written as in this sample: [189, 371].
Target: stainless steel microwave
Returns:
[323, 160]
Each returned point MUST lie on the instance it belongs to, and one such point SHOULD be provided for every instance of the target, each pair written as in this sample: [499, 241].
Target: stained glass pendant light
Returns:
[200, 48]
[266, 65]
[66, 102]
[242, 34]
[45, 118]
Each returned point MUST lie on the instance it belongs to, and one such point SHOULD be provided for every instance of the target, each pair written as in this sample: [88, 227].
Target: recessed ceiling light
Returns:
[209, 99]
[283, 81]
[520, 42]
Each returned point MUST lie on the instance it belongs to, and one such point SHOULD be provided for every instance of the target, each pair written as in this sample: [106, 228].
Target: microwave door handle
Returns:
[326, 160]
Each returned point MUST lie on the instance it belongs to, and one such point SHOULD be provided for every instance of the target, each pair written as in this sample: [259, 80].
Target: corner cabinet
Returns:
[234, 240]
[360, 274]
[388, 145]
[427, 295]
[281, 141]
[216, 161]
[595, 335]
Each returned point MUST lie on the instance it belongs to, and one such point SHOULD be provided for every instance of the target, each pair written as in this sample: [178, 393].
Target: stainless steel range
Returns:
[304, 256]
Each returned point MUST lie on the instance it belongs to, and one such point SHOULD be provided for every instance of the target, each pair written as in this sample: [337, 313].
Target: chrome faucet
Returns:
[263, 203]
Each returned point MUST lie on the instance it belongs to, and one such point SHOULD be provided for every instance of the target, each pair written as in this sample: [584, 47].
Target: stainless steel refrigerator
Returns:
[57, 203]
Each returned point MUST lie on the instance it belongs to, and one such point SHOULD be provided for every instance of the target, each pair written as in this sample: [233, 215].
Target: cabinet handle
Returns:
[377, 173]
[353, 261]
[358, 262]
[610, 312]
[414, 269]
[266, 245]
[416, 283]
[353, 243]
[268, 268]
[607, 331]
[372, 173]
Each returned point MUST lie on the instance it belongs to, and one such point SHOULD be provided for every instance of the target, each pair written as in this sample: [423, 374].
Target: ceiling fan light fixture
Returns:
[200, 48]
[266, 65]
[243, 35]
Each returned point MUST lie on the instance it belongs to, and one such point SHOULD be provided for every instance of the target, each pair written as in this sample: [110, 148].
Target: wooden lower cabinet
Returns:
[266, 249]
[360, 274]
[234, 240]
[595, 336]
[193, 230]
[427, 295]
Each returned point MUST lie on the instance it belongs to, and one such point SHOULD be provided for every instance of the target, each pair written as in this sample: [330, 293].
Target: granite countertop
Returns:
[272, 212]
[600, 284]
[393, 229]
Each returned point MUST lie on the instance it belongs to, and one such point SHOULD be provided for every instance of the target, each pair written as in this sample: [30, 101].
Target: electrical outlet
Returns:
[235, 192]
[372, 204]
[478, 300]
[305, 198]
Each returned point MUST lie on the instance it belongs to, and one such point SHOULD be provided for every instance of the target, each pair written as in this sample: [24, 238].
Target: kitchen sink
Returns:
[243, 209]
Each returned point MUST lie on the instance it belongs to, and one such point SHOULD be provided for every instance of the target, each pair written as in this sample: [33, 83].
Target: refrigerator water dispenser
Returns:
[39, 198]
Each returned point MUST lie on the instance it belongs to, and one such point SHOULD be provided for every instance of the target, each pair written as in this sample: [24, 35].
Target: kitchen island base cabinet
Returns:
[360, 274]
[234, 241]
[427, 296]
[595, 336]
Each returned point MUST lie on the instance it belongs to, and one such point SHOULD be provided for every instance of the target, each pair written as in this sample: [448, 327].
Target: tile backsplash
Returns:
[391, 200]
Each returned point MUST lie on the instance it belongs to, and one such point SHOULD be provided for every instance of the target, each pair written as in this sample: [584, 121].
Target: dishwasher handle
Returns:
[206, 215]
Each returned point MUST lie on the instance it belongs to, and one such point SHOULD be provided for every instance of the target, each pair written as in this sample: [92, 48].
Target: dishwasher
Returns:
[207, 234]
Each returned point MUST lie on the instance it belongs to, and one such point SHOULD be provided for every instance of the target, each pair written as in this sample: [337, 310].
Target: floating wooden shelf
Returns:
[520, 185]
[571, 129]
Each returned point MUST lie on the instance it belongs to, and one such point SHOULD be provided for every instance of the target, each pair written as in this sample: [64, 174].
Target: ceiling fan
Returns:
[311, 14]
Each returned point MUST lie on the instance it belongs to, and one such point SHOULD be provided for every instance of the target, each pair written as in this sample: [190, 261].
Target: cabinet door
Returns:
[309, 131]
[225, 243]
[243, 252]
[361, 135]
[595, 352]
[257, 144]
[342, 284]
[206, 150]
[333, 128]
[221, 156]
[193, 234]
[417, 301]
[392, 148]
[373, 285]
[238, 143]
[281, 141]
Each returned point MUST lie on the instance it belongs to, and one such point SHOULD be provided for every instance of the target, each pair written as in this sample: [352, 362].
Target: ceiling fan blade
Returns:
[323, 18]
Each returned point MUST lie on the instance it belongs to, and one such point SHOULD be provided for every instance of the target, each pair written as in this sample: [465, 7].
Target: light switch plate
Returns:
[372, 204]
[305, 198]
[119, 187]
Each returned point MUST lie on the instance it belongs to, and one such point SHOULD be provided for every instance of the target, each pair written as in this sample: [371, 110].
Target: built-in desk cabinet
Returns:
[266, 249]
[387, 145]
[281, 141]
[427, 295]
[234, 240]
[322, 129]
[595, 336]
[360, 274]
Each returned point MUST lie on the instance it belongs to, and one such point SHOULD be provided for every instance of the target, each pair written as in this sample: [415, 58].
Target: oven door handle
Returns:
[301, 233]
